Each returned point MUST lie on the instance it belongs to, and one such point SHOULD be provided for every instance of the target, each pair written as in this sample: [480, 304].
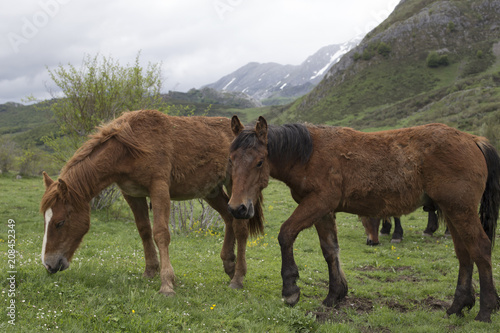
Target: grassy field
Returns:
[402, 287]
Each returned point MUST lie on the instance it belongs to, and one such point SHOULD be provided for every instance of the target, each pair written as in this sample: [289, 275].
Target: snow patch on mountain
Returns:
[263, 81]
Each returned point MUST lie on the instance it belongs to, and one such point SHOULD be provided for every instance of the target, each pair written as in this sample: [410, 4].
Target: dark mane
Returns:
[286, 144]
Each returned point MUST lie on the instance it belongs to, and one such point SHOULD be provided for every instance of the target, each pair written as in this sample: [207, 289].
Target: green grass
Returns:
[392, 288]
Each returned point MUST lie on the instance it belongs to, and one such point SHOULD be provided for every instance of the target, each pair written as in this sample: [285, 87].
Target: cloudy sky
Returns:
[197, 41]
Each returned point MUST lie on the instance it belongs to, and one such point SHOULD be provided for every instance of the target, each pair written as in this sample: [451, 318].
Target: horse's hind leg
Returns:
[472, 246]
[397, 236]
[327, 232]
[236, 230]
[432, 222]
[386, 227]
[139, 208]
[464, 293]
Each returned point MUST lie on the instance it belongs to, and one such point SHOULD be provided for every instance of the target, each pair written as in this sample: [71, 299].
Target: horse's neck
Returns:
[280, 173]
[89, 178]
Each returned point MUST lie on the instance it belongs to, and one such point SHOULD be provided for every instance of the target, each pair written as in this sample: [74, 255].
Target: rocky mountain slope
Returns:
[430, 60]
[273, 83]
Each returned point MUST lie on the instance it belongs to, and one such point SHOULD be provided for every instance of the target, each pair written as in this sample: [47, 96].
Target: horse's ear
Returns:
[236, 125]
[261, 129]
[63, 188]
[47, 180]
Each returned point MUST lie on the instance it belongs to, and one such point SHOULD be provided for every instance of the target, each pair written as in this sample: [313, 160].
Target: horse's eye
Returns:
[60, 224]
[259, 164]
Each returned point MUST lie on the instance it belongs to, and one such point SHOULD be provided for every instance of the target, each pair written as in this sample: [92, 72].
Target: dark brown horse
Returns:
[147, 153]
[335, 169]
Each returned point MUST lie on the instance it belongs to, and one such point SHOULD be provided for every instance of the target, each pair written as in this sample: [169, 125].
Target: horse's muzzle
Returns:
[242, 212]
[60, 265]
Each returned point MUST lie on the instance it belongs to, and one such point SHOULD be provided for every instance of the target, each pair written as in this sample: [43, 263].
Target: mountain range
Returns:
[429, 61]
[273, 83]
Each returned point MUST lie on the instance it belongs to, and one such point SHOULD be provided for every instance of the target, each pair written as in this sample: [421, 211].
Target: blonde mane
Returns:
[81, 174]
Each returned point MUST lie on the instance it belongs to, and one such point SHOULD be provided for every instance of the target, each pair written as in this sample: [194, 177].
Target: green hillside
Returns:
[430, 61]
[25, 124]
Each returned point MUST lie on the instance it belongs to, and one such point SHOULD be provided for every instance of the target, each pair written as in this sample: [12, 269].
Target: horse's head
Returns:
[249, 167]
[66, 222]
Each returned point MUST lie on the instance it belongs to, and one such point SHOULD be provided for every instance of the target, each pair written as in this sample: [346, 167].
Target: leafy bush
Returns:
[373, 49]
[8, 152]
[383, 49]
[435, 60]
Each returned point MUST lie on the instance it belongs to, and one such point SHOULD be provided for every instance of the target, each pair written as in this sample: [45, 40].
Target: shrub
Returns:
[450, 27]
[435, 59]
[383, 49]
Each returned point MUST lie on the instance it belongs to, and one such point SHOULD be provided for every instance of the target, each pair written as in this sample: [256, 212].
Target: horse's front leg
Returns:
[240, 228]
[305, 215]
[236, 230]
[139, 208]
[227, 252]
[160, 199]
[327, 232]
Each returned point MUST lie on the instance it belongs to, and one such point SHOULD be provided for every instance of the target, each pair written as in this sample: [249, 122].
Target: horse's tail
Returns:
[256, 223]
[490, 202]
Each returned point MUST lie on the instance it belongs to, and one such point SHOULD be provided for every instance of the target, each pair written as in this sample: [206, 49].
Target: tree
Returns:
[8, 152]
[100, 90]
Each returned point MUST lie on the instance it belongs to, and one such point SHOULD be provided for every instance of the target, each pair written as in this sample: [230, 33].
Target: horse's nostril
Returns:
[54, 269]
[242, 210]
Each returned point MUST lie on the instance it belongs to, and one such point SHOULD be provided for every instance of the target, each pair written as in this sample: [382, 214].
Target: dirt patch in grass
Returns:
[435, 304]
[362, 305]
[340, 313]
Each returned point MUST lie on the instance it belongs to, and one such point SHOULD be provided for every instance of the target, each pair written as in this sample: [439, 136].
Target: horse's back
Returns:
[393, 172]
[190, 152]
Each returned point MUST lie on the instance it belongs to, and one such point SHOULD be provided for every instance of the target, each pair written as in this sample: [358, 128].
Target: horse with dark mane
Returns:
[148, 154]
[336, 169]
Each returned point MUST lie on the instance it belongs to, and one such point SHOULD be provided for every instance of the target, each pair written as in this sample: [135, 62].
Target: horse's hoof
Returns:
[236, 285]
[167, 293]
[427, 234]
[483, 317]
[395, 240]
[292, 299]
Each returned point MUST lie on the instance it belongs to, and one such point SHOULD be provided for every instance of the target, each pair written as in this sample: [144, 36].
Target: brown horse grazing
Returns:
[147, 153]
[335, 169]
[371, 225]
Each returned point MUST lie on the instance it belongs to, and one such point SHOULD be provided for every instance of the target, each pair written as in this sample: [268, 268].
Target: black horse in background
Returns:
[372, 225]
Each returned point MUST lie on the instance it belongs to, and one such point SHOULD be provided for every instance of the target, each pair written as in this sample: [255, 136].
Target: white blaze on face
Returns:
[48, 217]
